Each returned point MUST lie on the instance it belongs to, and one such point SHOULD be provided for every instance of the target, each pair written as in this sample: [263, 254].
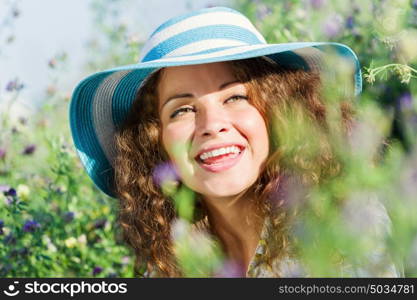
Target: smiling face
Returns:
[212, 133]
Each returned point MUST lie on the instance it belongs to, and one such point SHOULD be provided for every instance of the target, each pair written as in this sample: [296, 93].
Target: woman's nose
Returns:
[212, 121]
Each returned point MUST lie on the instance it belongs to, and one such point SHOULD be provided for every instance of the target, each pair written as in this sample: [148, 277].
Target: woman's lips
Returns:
[221, 163]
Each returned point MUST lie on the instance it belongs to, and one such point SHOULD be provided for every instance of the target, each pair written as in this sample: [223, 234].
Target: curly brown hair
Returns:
[277, 92]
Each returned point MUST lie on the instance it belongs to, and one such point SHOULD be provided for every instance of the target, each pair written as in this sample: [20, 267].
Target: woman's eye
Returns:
[181, 111]
[236, 98]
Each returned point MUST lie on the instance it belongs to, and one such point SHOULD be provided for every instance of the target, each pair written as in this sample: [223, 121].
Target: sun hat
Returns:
[101, 101]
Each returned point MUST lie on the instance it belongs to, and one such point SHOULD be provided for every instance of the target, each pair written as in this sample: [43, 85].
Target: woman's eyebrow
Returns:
[187, 95]
[226, 84]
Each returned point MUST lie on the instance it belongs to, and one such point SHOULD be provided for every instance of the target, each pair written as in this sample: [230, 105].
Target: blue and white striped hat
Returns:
[101, 102]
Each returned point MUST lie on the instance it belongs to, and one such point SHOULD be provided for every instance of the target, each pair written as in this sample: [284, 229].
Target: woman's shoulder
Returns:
[377, 262]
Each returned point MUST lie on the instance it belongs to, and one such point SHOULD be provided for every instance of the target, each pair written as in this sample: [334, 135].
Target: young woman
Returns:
[207, 98]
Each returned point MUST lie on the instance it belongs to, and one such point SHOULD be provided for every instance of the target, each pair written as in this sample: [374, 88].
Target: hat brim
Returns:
[101, 101]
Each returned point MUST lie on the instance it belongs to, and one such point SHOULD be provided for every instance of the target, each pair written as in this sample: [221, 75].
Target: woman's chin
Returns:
[223, 190]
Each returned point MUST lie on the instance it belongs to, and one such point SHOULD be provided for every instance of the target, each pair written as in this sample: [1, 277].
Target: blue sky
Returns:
[46, 28]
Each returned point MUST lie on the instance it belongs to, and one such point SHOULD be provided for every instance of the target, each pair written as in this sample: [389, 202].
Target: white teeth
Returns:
[220, 151]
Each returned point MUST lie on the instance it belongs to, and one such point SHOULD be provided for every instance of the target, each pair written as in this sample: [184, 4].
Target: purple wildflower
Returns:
[4, 188]
[10, 86]
[405, 101]
[97, 270]
[263, 11]
[10, 200]
[52, 63]
[414, 4]
[231, 269]
[333, 26]
[14, 85]
[350, 22]
[2, 153]
[29, 149]
[10, 196]
[125, 260]
[31, 226]
[317, 4]
[99, 224]
[163, 173]
[1, 227]
[10, 192]
[60, 190]
[289, 193]
[68, 216]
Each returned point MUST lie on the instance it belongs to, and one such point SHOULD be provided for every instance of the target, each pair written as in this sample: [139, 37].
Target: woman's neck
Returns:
[237, 225]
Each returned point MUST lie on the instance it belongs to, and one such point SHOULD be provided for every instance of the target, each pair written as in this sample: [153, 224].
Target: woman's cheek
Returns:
[252, 126]
[176, 139]
[250, 121]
